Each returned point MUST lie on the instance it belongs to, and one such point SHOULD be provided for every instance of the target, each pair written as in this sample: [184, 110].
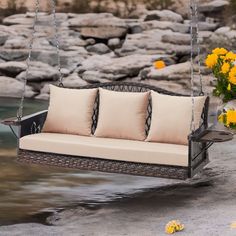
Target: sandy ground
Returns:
[206, 205]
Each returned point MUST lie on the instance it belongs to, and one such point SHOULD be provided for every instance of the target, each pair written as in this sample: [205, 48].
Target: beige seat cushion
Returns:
[122, 115]
[70, 111]
[171, 118]
[106, 148]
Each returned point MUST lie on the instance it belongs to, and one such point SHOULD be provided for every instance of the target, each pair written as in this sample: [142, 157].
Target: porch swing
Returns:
[115, 158]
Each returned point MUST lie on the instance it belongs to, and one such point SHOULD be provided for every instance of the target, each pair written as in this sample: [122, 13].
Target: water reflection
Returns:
[27, 190]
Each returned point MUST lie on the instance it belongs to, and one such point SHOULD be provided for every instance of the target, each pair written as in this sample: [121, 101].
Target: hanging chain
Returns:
[20, 109]
[56, 39]
[193, 32]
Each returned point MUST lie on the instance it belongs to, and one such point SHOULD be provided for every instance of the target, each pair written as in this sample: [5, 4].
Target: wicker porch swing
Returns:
[199, 140]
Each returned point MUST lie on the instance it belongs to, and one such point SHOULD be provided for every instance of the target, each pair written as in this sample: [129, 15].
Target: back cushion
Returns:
[171, 118]
[122, 115]
[70, 111]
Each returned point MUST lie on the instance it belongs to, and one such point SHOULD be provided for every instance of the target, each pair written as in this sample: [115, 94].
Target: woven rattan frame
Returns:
[35, 122]
[103, 165]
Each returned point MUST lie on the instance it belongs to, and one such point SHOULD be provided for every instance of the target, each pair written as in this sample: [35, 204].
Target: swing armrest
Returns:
[28, 124]
[211, 135]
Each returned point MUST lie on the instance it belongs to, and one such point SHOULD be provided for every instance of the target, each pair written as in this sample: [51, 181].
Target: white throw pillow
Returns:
[70, 111]
[171, 118]
[122, 115]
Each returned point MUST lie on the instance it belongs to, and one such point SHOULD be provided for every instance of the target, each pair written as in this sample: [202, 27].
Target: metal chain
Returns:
[20, 109]
[193, 42]
[56, 38]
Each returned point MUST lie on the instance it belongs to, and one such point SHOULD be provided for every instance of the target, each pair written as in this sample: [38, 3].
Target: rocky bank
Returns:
[101, 48]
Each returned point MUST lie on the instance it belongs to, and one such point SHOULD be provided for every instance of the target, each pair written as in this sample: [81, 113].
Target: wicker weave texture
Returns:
[96, 164]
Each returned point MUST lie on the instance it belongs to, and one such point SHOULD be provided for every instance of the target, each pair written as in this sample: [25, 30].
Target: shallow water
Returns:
[26, 191]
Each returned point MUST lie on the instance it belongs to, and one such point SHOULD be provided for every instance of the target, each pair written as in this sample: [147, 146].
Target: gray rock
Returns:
[177, 38]
[213, 6]
[13, 88]
[99, 48]
[40, 72]
[3, 38]
[12, 68]
[164, 25]
[101, 26]
[98, 68]
[67, 43]
[74, 81]
[164, 15]
[173, 72]
[43, 96]
[13, 55]
[16, 43]
[114, 43]
[18, 19]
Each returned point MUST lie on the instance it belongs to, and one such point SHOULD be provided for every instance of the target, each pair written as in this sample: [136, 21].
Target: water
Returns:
[26, 190]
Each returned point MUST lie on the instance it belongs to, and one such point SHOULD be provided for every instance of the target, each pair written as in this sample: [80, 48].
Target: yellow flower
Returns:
[211, 60]
[230, 56]
[232, 75]
[225, 67]
[231, 116]
[233, 225]
[173, 226]
[229, 87]
[219, 51]
[159, 64]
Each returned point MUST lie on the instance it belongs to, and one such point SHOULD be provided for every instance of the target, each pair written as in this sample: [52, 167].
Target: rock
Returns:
[164, 15]
[100, 26]
[90, 41]
[164, 25]
[13, 55]
[204, 26]
[67, 43]
[99, 48]
[12, 68]
[114, 43]
[173, 72]
[223, 30]
[105, 32]
[99, 68]
[150, 43]
[40, 71]
[16, 43]
[177, 38]
[18, 19]
[3, 38]
[74, 81]
[13, 88]
[213, 6]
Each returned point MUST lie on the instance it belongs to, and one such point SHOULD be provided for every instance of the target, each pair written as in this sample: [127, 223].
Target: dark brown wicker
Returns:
[198, 156]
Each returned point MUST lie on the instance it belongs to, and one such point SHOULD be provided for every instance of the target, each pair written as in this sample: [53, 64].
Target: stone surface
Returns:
[99, 48]
[101, 26]
[114, 43]
[13, 88]
[40, 71]
[164, 15]
[213, 6]
[12, 68]
[178, 71]
[176, 38]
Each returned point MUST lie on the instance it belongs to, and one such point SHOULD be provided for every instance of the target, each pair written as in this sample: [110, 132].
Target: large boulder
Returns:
[100, 68]
[13, 88]
[12, 68]
[177, 38]
[213, 6]
[100, 26]
[164, 15]
[40, 71]
[172, 72]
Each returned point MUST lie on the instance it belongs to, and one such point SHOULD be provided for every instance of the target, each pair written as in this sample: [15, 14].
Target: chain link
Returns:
[20, 109]
[56, 39]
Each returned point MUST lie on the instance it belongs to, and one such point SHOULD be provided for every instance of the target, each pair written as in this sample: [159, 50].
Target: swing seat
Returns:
[156, 159]
[107, 148]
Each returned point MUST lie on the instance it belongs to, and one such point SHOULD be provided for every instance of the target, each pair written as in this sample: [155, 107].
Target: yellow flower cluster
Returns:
[159, 64]
[174, 226]
[228, 118]
[232, 75]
